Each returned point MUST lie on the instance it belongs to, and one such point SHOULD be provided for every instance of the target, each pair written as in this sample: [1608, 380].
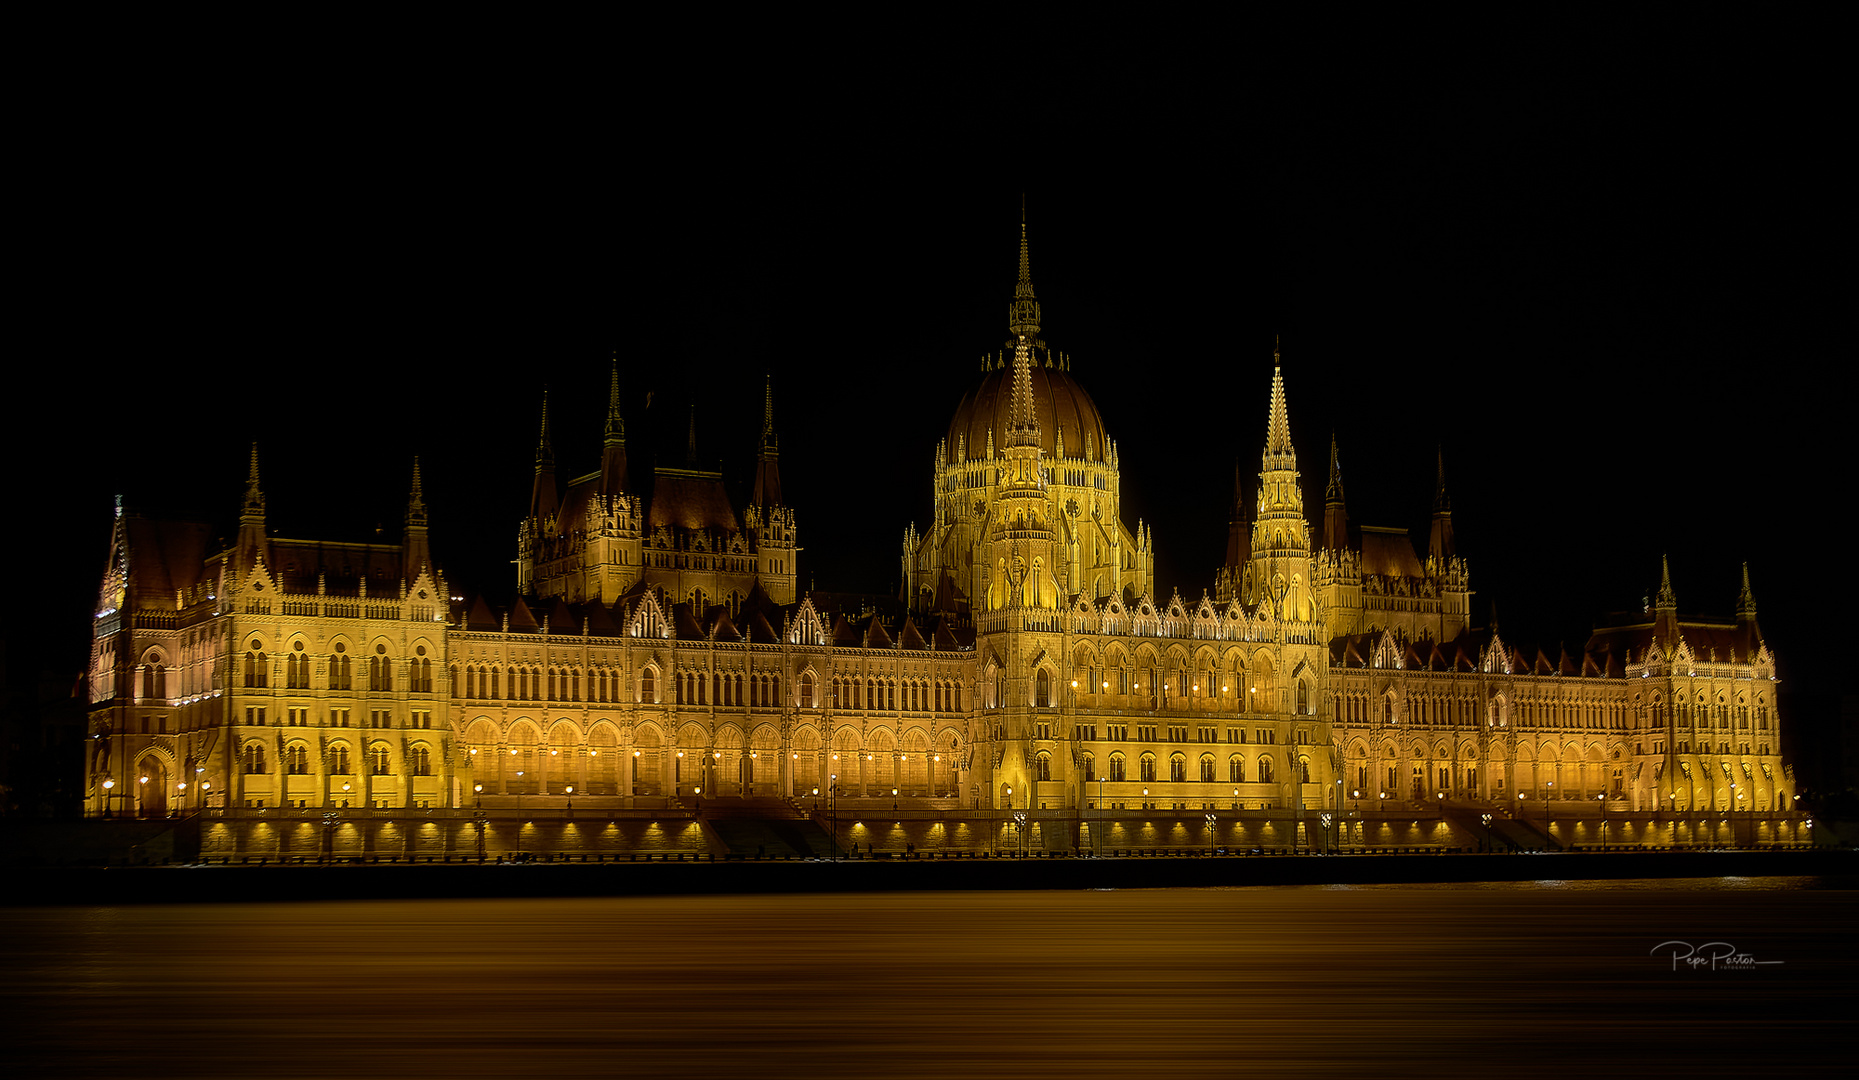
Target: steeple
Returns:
[542, 496]
[690, 448]
[767, 491]
[1023, 313]
[1278, 424]
[613, 478]
[1335, 517]
[1667, 599]
[1745, 599]
[1440, 546]
[415, 554]
[254, 494]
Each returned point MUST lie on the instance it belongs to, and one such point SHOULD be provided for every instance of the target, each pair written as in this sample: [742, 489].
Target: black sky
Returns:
[1605, 292]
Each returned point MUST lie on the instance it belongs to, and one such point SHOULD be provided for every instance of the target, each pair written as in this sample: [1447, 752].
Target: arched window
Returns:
[339, 759]
[296, 759]
[341, 673]
[256, 668]
[1265, 770]
[648, 687]
[422, 761]
[1303, 770]
[806, 690]
[1042, 688]
[254, 758]
[1303, 698]
[1117, 771]
[1207, 769]
[1236, 770]
[1177, 768]
[154, 681]
[1090, 767]
[377, 760]
[1148, 768]
[1045, 766]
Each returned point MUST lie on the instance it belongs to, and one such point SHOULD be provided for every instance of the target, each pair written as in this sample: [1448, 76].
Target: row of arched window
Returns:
[1263, 770]
[297, 760]
[914, 694]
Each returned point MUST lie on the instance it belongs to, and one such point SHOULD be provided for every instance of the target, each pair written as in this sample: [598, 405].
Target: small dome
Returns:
[1059, 402]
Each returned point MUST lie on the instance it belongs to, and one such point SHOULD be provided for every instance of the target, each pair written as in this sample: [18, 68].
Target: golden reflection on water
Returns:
[1273, 982]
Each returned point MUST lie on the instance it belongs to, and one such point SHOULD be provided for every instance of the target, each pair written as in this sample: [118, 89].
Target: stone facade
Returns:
[658, 653]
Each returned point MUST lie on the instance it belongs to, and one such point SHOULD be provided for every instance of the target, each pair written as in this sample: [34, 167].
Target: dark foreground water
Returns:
[1503, 980]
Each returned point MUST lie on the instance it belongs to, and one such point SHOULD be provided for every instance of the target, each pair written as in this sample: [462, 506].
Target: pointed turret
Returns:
[1022, 418]
[543, 499]
[767, 491]
[1023, 313]
[1279, 453]
[690, 446]
[1335, 516]
[416, 555]
[1749, 635]
[1745, 599]
[613, 478]
[1440, 545]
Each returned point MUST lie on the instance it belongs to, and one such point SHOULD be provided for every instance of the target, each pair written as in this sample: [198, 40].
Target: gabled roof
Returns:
[844, 633]
[875, 636]
[910, 639]
[684, 623]
[479, 617]
[562, 620]
[600, 621]
[1389, 552]
[521, 619]
[164, 556]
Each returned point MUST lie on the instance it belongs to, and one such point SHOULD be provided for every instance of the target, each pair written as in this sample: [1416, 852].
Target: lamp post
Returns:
[570, 803]
[180, 799]
[108, 785]
[478, 820]
[519, 802]
[832, 813]
[1210, 835]
[1326, 817]
[1020, 837]
[1486, 819]
[1602, 800]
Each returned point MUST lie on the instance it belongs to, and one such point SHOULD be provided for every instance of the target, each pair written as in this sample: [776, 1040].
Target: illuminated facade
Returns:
[659, 650]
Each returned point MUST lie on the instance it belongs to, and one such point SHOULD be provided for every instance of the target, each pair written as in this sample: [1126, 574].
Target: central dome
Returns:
[1058, 401]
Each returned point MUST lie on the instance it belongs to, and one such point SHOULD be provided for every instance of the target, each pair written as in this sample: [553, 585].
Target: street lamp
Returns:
[478, 820]
[107, 786]
[1486, 819]
[570, 811]
[1602, 800]
[1326, 818]
[519, 798]
[1210, 835]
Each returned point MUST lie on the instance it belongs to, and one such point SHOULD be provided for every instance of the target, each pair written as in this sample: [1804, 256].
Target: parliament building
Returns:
[659, 654]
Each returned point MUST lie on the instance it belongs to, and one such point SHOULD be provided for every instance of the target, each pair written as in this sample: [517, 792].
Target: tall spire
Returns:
[1023, 313]
[254, 494]
[1278, 424]
[542, 497]
[416, 500]
[690, 447]
[616, 424]
[545, 452]
[1335, 516]
[1666, 598]
[767, 490]
[1440, 545]
[415, 553]
[613, 478]
[1746, 599]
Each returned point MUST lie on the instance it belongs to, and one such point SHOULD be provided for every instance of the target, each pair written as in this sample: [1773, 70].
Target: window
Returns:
[1045, 767]
[1265, 770]
[1090, 767]
[1207, 769]
[377, 760]
[341, 673]
[338, 718]
[255, 715]
[296, 760]
[1148, 768]
[1145, 733]
[422, 761]
[1042, 688]
[256, 667]
[297, 668]
[1178, 734]
[380, 675]
[1235, 770]
[339, 759]
[1177, 769]
[254, 758]
[1116, 767]
[648, 687]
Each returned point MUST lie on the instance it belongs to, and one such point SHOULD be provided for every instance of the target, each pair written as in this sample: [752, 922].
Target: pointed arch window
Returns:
[296, 759]
[422, 761]
[1045, 766]
[256, 668]
[339, 759]
[254, 759]
[1207, 769]
[1117, 767]
[377, 760]
[1042, 688]
[1235, 770]
[341, 671]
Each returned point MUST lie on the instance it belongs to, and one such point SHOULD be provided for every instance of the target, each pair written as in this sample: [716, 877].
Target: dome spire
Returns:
[1023, 313]
[1278, 425]
[1022, 418]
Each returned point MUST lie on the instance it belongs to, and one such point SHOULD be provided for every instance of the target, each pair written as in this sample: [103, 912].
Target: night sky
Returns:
[1607, 300]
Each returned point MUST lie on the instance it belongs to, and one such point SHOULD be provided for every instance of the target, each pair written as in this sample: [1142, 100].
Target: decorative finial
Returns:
[1022, 419]
[1278, 424]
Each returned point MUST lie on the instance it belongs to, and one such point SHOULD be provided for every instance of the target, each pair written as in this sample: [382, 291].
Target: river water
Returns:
[1505, 980]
